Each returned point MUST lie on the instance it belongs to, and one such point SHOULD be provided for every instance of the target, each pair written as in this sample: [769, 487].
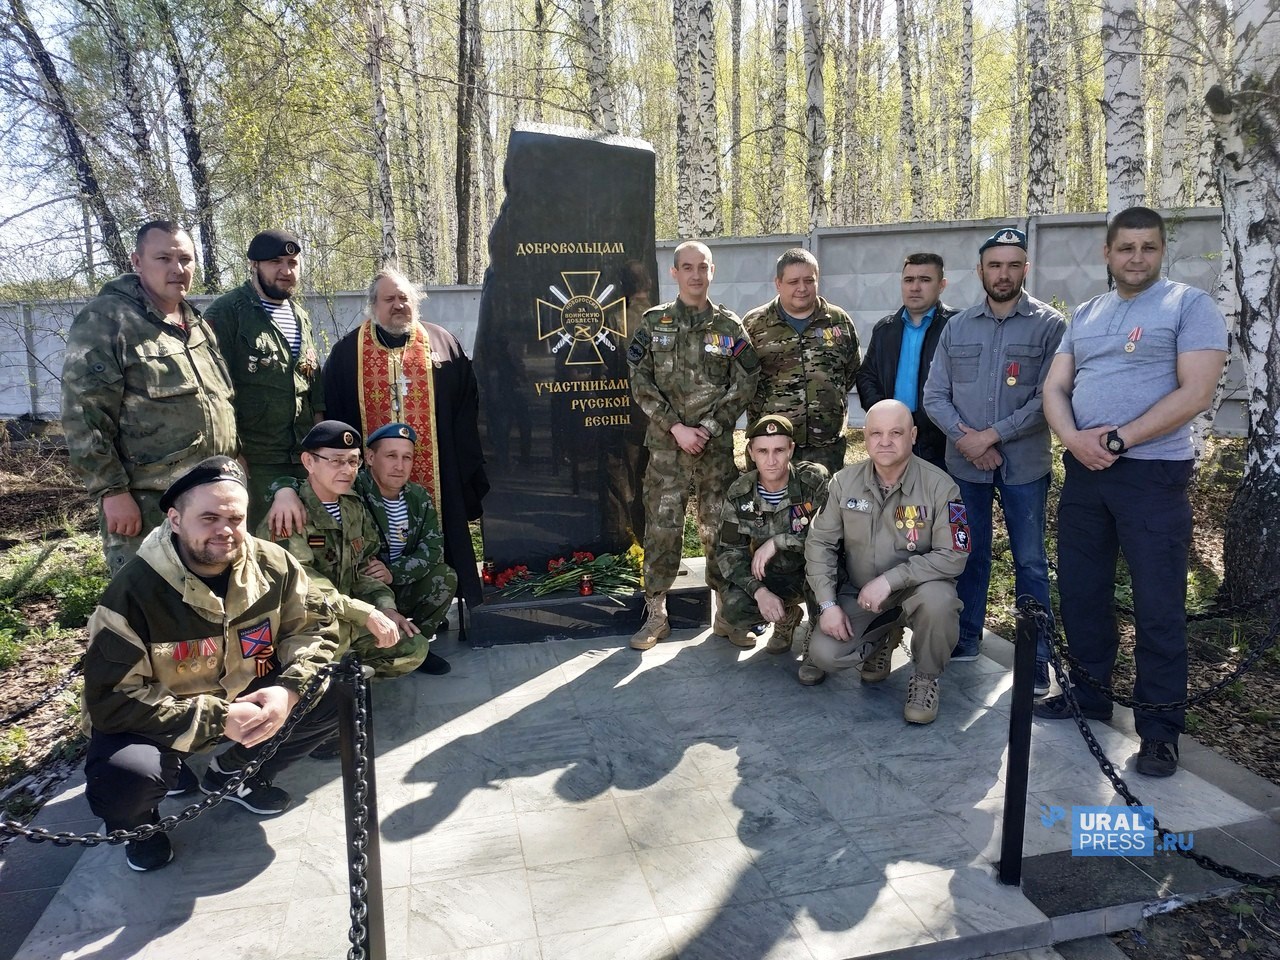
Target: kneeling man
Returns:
[336, 543]
[206, 635]
[760, 545]
[906, 539]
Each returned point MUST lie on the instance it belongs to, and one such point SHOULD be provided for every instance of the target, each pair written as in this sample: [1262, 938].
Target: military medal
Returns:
[253, 363]
[1134, 336]
[1012, 373]
[912, 537]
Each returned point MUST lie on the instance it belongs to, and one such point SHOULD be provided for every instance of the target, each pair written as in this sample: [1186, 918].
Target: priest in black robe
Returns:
[380, 370]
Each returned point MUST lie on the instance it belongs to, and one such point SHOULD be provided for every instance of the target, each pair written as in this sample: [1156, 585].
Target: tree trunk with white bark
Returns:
[815, 126]
[601, 102]
[708, 218]
[907, 116]
[1122, 105]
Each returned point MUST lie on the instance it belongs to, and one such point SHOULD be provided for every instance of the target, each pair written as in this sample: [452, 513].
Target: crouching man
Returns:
[763, 522]
[336, 543]
[411, 555]
[206, 635]
[906, 538]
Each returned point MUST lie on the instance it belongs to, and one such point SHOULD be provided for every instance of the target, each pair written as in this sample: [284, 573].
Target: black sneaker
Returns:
[1157, 758]
[1041, 687]
[435, 665]
[966, 652]
[186, 781]
[1056, 708]
[149, 854]
[256, 794]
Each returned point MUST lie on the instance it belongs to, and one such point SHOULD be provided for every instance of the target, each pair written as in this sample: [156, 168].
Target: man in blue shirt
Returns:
[1136, 366]
[901, 350]
[984, 392]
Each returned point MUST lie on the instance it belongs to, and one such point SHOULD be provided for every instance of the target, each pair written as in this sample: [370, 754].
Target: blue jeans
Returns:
[1023, 506]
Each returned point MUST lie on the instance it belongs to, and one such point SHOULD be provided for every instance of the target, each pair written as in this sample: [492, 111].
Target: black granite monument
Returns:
[571, 269]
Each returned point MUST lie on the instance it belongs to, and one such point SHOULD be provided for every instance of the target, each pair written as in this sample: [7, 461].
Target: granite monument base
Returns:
[571, 617]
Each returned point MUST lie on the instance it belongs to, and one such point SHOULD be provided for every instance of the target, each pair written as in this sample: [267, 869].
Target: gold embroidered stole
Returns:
[397, 385]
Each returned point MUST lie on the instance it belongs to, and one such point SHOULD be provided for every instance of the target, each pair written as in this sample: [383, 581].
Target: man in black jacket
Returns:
[912, 333]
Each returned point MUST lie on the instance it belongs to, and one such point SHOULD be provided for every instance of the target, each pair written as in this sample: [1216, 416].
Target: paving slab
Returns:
[576, 799]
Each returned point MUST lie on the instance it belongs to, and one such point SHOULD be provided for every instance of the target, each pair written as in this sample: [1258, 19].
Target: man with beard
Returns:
[397, 368]
[267, 341]
[984, 392]
[145, 392]
[208, 635]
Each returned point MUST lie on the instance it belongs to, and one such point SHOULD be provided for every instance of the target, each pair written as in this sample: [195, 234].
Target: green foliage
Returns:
[77, 596]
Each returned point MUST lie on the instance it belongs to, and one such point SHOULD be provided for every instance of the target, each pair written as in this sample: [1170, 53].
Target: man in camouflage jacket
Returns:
[336, 554]
[279, 391]
[145, 392]
[693, 372]
[763, 523]
[411, 557]
[808, 351]
[207, 635]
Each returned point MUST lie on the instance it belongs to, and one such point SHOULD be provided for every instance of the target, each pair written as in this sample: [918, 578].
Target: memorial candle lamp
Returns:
[487, 571]
[586, 586]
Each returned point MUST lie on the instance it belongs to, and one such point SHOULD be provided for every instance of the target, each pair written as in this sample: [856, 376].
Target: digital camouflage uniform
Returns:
[747, 522]
[806, 377]
[424, 584]
[277, 394]
[698, 369]
[334, 555]
[143, 401]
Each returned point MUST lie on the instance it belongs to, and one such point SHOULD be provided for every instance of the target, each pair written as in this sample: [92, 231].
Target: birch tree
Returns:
[907, 117]
[688, 143]
[815, 126]
[463, 177]
[1122, 105]
[1245, 106]
[735, 116]
[600, 90]
[708, 218]
[1040, 174]
[771, 203]
[1179, 71]
[964, 171]
[375, 24]
[1017, 119]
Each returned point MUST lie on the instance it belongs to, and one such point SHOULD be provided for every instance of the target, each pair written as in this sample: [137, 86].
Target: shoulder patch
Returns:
[639, 343]
[959, 519]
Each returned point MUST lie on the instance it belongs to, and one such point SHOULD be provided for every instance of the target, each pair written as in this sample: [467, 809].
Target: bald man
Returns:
[906, 540]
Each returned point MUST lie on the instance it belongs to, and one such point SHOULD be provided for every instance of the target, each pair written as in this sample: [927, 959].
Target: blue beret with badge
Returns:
[1004, 237]
[399, 431]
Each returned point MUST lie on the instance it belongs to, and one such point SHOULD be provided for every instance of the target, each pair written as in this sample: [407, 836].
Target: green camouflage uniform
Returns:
[334, 555]
[806, 377]
[424, 584]
[278, 395]
[698, 369]
[143, 401]
[747, 522]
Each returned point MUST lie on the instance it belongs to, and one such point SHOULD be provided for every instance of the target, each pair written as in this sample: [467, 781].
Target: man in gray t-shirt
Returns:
[1134, 368]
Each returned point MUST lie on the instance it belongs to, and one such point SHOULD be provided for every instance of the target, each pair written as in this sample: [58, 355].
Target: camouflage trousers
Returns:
[387, 662]
[119, 549]
[830, 455]
[425, 600]
[741, 612]
[667, 480]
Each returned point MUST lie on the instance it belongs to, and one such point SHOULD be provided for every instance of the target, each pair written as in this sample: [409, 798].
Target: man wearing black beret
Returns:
[266, 338]
[207, 635]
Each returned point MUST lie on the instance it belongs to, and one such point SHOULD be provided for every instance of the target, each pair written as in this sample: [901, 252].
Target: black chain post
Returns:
[1017, 772]
[360, 797]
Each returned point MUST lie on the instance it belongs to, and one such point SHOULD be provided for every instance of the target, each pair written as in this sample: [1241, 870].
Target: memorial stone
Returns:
[571, 269]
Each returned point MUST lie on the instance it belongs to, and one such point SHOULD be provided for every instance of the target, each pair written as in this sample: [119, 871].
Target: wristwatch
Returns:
[1115, 443]
[826, 605]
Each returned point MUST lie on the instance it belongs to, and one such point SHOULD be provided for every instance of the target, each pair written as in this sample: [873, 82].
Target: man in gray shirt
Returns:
[1136, 366]
[984, 392]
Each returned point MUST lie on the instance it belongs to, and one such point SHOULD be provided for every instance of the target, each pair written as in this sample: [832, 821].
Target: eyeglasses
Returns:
[340, 462]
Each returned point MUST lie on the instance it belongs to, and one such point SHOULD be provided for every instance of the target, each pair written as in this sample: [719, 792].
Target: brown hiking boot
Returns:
[810, 674]
[922, 699]
[784, 634]
[877, 667]
[740, 638]
[655, 627]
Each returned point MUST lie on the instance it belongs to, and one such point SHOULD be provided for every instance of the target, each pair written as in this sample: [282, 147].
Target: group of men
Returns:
[959, 408]
[183, 426]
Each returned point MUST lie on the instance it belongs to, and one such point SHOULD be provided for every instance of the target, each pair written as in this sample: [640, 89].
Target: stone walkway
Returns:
[575, 799]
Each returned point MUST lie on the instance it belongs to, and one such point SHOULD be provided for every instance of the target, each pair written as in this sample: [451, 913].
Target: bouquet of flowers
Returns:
[610, 573]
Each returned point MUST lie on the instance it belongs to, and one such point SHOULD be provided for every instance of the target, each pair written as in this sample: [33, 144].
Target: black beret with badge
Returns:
[333, 434]
[209, 470]
[771, 425]
[270, 244]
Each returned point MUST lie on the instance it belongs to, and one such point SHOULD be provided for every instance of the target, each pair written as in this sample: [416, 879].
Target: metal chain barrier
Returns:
[1118, 783]
[357, 827]
[45, 697]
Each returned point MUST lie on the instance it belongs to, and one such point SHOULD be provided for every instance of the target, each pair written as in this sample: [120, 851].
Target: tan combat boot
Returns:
[655, 626]
[809, 674]
[922, 699]
[740, 638]
[878, 665]
[784, 632]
